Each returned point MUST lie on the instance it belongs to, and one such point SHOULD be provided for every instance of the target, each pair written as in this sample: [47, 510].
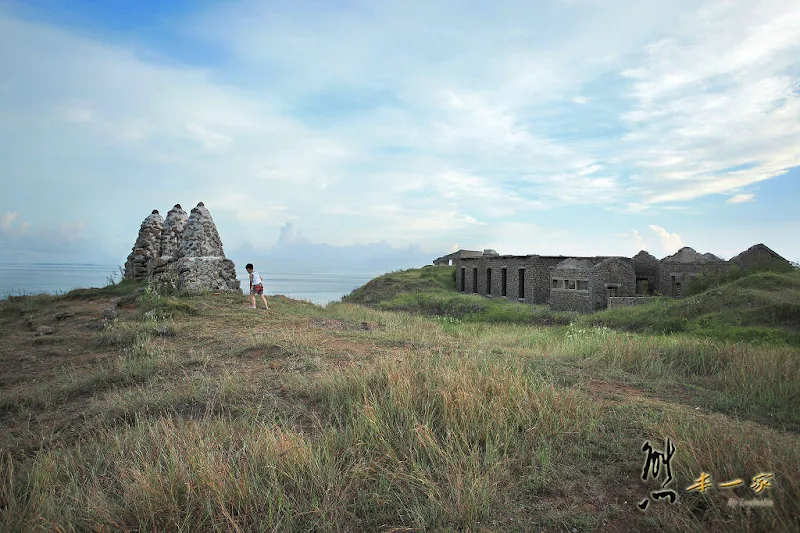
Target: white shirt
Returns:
[256, 278]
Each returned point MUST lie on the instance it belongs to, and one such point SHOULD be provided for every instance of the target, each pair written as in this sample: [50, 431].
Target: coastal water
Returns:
[319, 287]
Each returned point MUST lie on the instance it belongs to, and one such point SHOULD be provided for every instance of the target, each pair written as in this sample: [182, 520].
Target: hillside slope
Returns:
[760, 307]
[385, 287]
[123, 409]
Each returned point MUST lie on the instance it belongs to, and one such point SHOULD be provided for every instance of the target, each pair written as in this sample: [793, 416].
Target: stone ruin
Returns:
[146, 248]
[186, 245]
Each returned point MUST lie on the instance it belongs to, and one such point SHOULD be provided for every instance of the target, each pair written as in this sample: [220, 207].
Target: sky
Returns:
[382, 135]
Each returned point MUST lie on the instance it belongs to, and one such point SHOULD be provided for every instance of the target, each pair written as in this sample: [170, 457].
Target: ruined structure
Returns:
[146, 248]
[202, 263]
[587, 284]
[676, 270]
[450, 258]
[170, 241]
[759, 257]
[187, 245]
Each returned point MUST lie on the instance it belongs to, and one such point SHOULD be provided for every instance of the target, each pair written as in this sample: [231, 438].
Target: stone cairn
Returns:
[170, 243]
[188, 244]
[202, 263]
[146, 248]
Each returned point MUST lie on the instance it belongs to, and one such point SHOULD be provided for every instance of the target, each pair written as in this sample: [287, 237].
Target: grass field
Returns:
[431, 410]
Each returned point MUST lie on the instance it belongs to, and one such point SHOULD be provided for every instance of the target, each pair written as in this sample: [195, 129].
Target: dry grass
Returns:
[305, 418]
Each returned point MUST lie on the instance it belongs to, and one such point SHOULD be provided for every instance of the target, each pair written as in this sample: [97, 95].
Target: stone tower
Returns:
[146, 248]
[202, 263]
[170, 243]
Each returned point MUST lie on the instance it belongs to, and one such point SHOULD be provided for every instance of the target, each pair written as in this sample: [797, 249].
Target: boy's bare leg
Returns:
[252, 300]
[265, 301]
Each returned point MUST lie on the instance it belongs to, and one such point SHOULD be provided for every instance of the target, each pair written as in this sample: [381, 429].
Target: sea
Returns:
[319, 287]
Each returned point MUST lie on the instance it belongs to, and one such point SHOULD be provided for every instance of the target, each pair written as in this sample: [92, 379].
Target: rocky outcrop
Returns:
[170, 242]
[146, 248]
[202, 264]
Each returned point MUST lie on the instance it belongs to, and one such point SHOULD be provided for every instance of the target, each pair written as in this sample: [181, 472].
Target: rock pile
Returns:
[202, 263]
[189, 243]
[146, 248]
[170, 242]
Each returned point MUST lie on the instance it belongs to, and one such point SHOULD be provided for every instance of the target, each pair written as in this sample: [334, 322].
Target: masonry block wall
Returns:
[540, 275]
[616, 273]
[602, 277]
[566, 300]
[645, 266]
[569, 289]
[674, 275]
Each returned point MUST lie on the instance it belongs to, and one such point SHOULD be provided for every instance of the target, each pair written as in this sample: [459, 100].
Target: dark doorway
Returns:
[642, 286]
[475, 280]
[521, 283]
[503, 281]
[463, 281]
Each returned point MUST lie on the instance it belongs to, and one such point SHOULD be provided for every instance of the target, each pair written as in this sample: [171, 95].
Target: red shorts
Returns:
[257, 289]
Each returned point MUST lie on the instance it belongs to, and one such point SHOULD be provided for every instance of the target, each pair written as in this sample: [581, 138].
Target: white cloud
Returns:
[740, 198]
[468, 132]
[717, 106]
[640, 242]
[6, 220]
[670, 242]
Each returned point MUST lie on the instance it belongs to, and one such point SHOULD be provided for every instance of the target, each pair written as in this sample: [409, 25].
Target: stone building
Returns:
[188, 244]
[449, 259]
[676, 270]
[646, 268]
[759, 257]
[587, 284]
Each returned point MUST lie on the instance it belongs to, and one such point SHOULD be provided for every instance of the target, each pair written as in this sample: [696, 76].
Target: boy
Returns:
[256, 287]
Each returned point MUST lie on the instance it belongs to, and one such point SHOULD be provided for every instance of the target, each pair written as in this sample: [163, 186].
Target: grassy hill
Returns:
[761, 307]
[386, 287]
[195, 413]
[431, 291]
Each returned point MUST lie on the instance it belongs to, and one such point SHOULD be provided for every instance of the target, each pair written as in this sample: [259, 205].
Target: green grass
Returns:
[386, 287]
[467, 419]
[759, 308]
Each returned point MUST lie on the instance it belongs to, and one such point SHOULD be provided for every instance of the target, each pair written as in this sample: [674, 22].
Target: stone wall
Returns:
[539, 276]
[674, 277]
[626, 277]
[615, 272]
[645, 266]
[512, 264]
[628, 301]
[570, 300]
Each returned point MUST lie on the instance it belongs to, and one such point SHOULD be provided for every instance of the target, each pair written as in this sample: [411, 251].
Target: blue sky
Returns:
[390, 133]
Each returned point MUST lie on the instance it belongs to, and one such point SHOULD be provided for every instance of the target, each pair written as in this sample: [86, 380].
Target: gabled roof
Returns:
[755, 251]
[573, 263]
[689, 255]
[627, 263]
[644, 255]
